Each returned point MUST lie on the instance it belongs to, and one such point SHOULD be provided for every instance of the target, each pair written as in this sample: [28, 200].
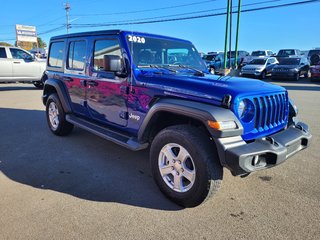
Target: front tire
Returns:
[56, 116]
[185, 165]
[263, 75]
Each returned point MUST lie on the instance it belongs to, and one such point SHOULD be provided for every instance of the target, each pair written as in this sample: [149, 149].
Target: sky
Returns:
[271, 29]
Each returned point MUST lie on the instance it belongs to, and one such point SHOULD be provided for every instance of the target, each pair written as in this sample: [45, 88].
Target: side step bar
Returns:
[106, 133]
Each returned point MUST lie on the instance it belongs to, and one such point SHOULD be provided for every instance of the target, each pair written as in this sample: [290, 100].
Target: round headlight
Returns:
[246, 110]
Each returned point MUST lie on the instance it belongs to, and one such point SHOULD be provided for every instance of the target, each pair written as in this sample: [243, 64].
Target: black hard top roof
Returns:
[92, 33]
[110, 32]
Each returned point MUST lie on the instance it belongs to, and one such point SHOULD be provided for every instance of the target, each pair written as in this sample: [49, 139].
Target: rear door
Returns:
[74, 76]
[5, 66]
[106, 93]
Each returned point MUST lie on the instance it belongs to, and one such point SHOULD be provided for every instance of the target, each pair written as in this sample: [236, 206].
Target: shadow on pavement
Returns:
[13, 87]
[81, 164]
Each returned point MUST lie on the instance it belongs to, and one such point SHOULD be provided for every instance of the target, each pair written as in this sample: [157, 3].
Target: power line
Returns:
[180, 14]
[197, 16]
[147, 10]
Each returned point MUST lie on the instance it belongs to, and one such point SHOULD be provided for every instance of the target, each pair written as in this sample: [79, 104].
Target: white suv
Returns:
[18, 65]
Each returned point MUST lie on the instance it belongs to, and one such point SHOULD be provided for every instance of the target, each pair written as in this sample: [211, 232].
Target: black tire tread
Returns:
[65, 127]
[204, 146]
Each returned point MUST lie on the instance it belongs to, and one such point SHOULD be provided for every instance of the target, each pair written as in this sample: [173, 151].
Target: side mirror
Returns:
[113, 63]
[302, 64]
[268, 63]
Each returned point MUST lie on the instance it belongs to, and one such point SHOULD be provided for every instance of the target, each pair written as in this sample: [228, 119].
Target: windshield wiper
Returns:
[198, 72]
[158, 67]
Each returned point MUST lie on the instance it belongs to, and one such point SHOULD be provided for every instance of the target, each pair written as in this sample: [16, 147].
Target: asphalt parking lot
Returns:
[83, 187]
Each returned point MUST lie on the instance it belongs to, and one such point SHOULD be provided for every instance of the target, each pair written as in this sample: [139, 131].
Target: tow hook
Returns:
[272, 141]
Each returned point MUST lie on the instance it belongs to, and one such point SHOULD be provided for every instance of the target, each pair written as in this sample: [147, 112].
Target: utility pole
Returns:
[226, 38]
[237, 34]
[67, 8]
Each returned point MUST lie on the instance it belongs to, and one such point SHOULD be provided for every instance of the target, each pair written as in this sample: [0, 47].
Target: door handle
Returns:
[16, 62]
[67, 79]
[92, 83]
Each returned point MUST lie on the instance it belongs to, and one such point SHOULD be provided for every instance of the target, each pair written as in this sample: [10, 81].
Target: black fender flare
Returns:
[199, 111]
[60, 88]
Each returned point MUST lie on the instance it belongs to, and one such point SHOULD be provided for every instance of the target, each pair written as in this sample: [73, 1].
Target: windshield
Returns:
[311, 52]
[258, 53]
[287, 52]
[258, 61]
[209, 57]
[289, 61]
[149, 51]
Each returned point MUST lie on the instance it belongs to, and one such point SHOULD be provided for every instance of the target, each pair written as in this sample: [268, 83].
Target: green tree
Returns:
[41, 43]
[5, 44]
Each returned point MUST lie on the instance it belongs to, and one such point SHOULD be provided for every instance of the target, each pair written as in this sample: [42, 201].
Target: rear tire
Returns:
[56, 117]
[185, 165]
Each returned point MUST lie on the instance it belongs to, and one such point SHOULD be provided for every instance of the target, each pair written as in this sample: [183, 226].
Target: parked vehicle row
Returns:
[287, 64]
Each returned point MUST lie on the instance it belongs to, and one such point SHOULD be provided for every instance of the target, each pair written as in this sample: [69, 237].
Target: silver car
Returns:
[18, 65]
[259, 67]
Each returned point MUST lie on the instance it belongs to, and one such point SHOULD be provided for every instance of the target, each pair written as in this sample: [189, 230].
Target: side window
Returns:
[19, 54]
[102, 48]
[270, 53]
[77, 55]
[3, 53]
[56, 54]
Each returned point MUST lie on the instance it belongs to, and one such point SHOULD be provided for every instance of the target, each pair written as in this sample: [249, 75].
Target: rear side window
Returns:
[77, 55]
[56, 54]
[102, 48]
[3, 53]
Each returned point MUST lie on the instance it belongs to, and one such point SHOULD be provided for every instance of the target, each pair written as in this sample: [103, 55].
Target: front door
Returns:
[23, 65]
[106, 93]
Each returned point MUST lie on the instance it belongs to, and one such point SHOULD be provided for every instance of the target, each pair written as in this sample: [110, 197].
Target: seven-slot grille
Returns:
[271, 111]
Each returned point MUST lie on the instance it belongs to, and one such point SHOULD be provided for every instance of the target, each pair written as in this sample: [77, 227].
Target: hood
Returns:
[253, 66]
[209, 88]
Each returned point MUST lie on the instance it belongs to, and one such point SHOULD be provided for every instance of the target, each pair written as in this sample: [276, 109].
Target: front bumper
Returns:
[284, 74]
[250, 73]
[315, 75]
[242, 158]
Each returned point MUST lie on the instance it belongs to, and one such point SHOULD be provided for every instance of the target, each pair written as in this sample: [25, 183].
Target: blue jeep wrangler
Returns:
[140, 90]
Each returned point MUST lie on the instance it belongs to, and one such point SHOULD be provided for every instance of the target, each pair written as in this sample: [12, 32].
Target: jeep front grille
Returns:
[271, 111]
